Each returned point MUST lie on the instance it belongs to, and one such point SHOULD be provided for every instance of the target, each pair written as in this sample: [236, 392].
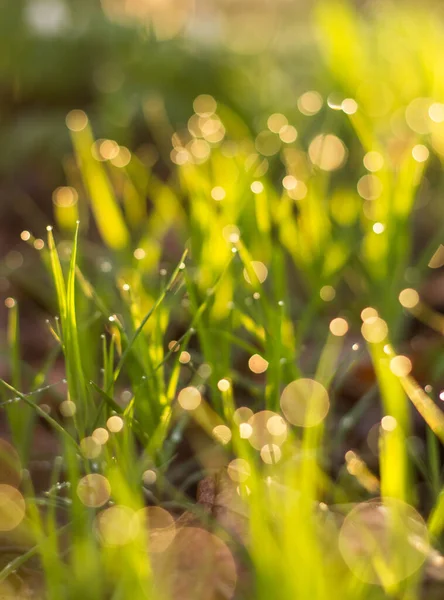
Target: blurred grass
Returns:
[248, 184]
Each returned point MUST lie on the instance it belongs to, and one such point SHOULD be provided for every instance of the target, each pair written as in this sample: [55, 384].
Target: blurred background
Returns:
[301, 139]
[136, 67]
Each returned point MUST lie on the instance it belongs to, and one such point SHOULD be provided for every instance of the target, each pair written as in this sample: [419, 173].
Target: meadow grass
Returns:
[268, 266]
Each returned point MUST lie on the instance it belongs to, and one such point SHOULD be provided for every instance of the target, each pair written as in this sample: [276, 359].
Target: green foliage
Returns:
[243, 259]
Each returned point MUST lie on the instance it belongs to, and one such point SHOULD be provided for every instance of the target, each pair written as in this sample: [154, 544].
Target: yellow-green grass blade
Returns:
[75, 370]
[145, 319]
[105, 207]
[394, 460]
[57, 275]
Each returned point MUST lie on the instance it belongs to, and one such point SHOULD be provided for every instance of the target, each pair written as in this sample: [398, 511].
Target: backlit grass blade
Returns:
[394, 463]
[105, 207]
[57, 274]
[14, 344]
[67, 308]
[145, 319]
[75, 366]
[432, 415]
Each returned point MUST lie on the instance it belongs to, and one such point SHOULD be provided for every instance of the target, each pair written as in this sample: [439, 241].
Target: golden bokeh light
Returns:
[389, 423]
[245, 431]
[259, 169]
[271, 454]
[400, 366]
[338, 327]
[369, 187]
[257, 187]
[115, 424]
[242, 415]
[180, 156]
[310, 103]
[123, 157]
[263, 433]
[276, 122]
[223, 385]
[267, 143]
[276, 425]
[94, 490]
[239, 470]
[65, 196]
[327, 293]
[200, 149]
[288, 134]
[90, 447]
[299, 192]
[327, 152]
[174, 346]
[289, 182]
[212, 129]
[218, 193]
[305, 402]
[259, 269]
[409, 298]
[374, 330]
[101, 435]
[368, 313]
[383, 543]
[108, 149]
[257, 364]
[116, 526]
[378, 228]
[231, 233]
[184, 357]
[420, 153]
[189, 398]
[12, 507]
[204, 105]
[149, 477]
[436, 112]
[417, 115]
[76, 120]
[222, 434]
[156, 526]
[67, 408]
[201, 567]
[349, 106]
[373, 161]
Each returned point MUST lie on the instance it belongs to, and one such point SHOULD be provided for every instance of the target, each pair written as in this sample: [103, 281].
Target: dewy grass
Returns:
[226, 359]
